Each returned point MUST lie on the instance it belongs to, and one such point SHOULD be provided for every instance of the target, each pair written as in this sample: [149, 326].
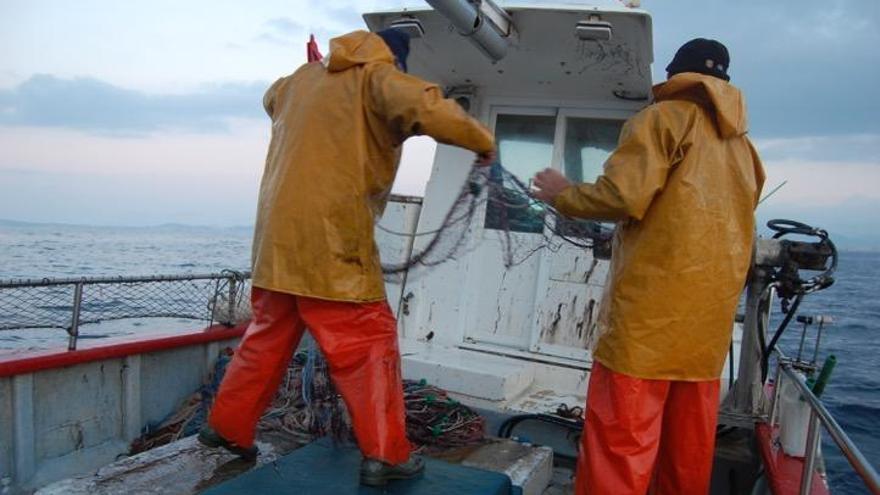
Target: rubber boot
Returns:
[377, 473]
[210, 438]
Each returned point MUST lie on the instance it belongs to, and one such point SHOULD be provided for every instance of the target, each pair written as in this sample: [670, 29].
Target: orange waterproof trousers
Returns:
[359, 341]
[647, 434]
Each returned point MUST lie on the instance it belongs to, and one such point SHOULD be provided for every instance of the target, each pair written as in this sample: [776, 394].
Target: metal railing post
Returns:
[777, 391]
[232, 288]
[810, 453]
[857, 460]
[74, 318]
[746, 396]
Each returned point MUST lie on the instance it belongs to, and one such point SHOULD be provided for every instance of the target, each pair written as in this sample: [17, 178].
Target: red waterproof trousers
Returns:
[642, 434]
[359, 341]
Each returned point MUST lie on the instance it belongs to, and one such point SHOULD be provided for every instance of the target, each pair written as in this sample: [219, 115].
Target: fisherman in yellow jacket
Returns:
[337, 131]
[682, 186]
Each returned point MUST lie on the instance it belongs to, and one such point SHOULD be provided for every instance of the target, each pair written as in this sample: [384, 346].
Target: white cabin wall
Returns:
[443, 297]
[500, 302]
[401, 216]
[435, 305]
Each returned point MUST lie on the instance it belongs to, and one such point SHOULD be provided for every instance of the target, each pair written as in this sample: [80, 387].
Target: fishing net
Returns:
[307, 406]
[524, 224]
[436, 422]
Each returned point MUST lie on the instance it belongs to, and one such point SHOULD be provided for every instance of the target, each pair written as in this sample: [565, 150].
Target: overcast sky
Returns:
[148, 112]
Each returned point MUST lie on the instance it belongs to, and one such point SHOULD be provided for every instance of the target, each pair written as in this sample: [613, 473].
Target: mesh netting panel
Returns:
[50, 304]
[36, 307]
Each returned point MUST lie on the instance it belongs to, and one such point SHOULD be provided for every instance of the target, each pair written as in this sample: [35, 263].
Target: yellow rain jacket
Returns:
[337, 130]
[683, 185]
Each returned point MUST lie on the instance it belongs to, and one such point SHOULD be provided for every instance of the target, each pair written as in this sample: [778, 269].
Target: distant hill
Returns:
[853, 225]
[167, 227]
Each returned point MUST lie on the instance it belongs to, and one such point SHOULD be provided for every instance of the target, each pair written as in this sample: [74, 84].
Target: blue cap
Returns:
[398, 42]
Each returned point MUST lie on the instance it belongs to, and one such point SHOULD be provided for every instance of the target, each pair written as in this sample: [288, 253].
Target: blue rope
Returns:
[208, 391]
[308, 373]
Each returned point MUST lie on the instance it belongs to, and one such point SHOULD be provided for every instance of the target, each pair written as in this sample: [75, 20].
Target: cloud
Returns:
[831, 182]
[864, 148]
[126, 199]
[807, 68]
[822, 183]
[325, 21]
[167, 154]
[822, 171]
[60, 175]
[96, 106]
[848, 223]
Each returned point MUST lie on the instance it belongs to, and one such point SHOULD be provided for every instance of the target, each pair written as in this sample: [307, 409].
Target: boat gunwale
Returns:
[15, 363]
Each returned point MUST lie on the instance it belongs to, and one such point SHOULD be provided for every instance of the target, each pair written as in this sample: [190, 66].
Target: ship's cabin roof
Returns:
[545, 55]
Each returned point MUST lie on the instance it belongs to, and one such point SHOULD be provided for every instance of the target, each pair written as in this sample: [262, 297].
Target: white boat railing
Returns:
[819, 415]
[69, 303]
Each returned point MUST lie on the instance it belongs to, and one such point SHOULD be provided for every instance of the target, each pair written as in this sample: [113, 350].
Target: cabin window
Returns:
[525, 146]
[588, 143]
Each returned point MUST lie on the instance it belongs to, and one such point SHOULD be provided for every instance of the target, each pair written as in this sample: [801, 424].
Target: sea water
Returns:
[853, 395]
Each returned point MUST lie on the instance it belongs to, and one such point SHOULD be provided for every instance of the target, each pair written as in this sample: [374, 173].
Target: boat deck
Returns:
[321, 468]
[187, 467]
[184, 466]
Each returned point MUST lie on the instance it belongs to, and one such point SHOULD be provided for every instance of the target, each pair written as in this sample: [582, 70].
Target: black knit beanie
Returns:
[398, 42]
[701, 55]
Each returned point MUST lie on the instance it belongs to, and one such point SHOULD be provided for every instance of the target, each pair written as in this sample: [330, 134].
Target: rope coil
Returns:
[307, 406]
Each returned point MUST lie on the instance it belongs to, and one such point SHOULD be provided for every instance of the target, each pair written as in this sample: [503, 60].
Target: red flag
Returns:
[312, 52]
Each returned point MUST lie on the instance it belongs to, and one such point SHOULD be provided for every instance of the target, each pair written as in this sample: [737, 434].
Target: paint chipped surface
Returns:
[547, 402]
[576, 265]
[503, 310]
[184, 466]
[567, 315]
[529, 468]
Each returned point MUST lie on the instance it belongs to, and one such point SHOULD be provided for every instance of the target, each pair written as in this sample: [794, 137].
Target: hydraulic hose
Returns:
[765, 355]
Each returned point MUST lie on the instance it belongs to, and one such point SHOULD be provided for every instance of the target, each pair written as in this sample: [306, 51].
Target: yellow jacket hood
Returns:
[724, 99]
[357, 48]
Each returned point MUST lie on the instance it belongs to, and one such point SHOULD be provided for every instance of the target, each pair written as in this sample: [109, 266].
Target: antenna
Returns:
[771, 193]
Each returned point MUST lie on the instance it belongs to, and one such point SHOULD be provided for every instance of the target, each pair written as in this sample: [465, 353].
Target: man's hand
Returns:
[548, 183]
[485, 159]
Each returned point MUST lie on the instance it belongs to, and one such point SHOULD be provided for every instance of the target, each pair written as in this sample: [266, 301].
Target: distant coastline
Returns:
[843, 242]
[163, 226]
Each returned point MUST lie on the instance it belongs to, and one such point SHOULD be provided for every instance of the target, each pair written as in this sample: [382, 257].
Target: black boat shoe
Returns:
[210, 438]
[377, 473]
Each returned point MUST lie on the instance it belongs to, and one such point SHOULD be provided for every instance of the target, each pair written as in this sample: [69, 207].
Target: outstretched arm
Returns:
[415, 107]
[634, 173]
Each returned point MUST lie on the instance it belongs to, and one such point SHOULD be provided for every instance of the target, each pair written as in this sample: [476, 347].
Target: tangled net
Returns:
[436, 422]
[307, 406]
[510, 210]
